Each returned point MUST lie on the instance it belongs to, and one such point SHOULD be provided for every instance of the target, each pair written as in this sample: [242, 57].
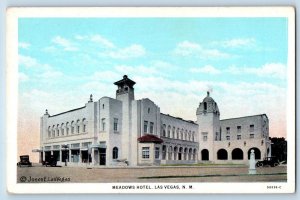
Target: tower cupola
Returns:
[208, 105]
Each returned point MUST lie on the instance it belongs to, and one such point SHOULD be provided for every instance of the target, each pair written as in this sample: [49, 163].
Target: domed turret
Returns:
[208, 105]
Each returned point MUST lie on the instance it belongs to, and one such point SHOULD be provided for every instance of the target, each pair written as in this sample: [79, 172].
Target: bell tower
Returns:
[208, 119]
[125, 91]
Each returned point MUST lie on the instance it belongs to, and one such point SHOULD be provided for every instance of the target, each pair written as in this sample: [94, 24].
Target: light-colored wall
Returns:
[260, 122]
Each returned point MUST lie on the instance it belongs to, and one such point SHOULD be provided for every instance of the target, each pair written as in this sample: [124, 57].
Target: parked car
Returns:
[268, 161]
[50, 162]
[24, 161]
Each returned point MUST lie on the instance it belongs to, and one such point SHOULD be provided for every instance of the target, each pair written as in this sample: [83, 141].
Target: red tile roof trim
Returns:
[150, 139]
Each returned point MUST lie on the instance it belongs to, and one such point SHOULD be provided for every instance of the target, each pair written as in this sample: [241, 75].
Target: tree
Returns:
[279, 148]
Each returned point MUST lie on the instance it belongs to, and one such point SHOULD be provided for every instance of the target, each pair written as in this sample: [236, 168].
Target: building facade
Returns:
[125, 131]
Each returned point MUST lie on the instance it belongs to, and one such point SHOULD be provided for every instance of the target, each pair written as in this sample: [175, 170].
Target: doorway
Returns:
[102, 154]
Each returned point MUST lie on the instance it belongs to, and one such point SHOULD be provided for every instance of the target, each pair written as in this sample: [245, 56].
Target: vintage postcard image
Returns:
[151, 100]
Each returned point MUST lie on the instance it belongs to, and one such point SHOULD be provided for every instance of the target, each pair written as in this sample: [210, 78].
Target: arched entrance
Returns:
[205, 154]
[256, 152]
[237, 154]
[222, 154]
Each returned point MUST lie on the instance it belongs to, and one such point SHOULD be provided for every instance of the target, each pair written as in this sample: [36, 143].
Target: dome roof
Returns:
[208, 98]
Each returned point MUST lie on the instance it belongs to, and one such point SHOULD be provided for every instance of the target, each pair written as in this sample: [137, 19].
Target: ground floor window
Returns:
[156, 152]
[115, 152]
[145, 152]
[75, 156]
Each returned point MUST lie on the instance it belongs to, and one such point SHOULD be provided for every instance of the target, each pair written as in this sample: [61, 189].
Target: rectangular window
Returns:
[103, 124]
[217, 136]
[227, 137]
[251, 128]
[145, 152]
[239, 129]
[156, 152]
[251, 136]
[239, 137]
[204, 136]
[145, 126]
[115, 124]
[151, 127]
[228, 130]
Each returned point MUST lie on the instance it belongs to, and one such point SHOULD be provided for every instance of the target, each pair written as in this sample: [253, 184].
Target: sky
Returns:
[174, 61]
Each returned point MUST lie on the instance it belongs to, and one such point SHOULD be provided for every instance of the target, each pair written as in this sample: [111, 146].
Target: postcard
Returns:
[151, 100]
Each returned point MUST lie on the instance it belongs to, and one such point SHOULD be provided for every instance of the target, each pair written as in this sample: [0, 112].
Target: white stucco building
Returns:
[123, 130]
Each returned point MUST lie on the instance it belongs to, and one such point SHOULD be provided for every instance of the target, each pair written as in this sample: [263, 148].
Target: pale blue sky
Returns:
[173, 60]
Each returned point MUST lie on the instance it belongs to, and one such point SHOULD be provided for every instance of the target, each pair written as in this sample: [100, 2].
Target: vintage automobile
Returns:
[24, 161]
[268, 161]
[50, 162]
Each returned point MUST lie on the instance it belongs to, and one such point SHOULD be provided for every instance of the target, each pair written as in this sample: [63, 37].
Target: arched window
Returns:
[189, 135]
[49, 132]
[78, 126]
[205, 154]
[237, 154]
[222, 154]
[72, 127]
[84, 125]
[256, 152]
[181, 134]
[115, 153]
[57, 130]
[102, 106]
[173, 132]
[67, 128]
[53, 131]
[177, 133]
[193, 136]
[169, 131]
[62, 129]
[205, 106]
[164, 130]
[185, 135]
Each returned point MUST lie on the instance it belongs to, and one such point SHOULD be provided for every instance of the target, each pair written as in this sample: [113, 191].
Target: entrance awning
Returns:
[83, 149]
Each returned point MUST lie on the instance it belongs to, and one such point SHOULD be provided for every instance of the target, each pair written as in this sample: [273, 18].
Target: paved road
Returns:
[152, 174]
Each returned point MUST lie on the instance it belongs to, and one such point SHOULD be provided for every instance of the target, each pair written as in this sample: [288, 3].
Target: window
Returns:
[239, 137]
[102, 106]
[115, 124]
[145, 152]
[217, 136]
[156, 152]
[145, 126]
[228, 137]
[103, 123]
[72, 127]
[49, 132]
[67, 126]
[169, 131]
[228, 130]
[173, 132]
[164, 130]
[205, 106]
[53, 131]
[84, 125]
[251, 136]
[239, 128]
[204, 136]
[148, 110]
[251, 128]
[57, 128]
[62, 129]
[78, 126]
[115, 153]
[177, 134]
[151, 127]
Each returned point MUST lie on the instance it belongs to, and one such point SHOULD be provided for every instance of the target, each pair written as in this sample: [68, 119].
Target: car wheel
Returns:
[259, 164]
[275, 164]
